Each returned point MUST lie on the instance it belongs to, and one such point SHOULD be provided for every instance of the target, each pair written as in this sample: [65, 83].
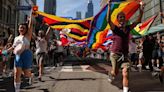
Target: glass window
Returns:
[1, 9]
[9, 14]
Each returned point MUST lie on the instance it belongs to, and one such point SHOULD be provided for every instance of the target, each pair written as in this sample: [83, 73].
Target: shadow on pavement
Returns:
[6, 84]
[140, 82]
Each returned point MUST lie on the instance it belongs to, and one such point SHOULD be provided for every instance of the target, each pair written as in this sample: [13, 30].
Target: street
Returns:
[85, 77]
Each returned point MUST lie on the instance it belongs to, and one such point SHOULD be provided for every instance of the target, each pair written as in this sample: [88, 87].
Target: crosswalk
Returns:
[101, 67]
[85, 68]
[79, 68]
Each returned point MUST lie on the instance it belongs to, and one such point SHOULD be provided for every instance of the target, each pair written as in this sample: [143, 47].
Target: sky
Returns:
[68, 8]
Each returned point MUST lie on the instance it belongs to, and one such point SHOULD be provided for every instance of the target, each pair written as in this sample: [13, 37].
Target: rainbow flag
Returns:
[99, 26]
[142, 28]
[79, 28]
[129, 8]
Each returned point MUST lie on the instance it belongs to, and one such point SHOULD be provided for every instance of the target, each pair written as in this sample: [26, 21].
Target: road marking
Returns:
[84, 68]
[81, 68]
[67, 69]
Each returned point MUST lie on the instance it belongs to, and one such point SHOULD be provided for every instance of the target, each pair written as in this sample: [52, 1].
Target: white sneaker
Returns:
[147, 67]
[110, 77]
[139, 67]
[11, 74]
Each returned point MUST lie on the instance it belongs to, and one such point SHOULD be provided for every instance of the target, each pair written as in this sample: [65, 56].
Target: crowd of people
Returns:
[29, 48]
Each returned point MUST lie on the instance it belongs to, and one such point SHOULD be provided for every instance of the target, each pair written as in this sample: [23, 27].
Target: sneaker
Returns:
[10, 74]
[156, 69]
[40, 79]
[147, 67]
[139, 67]
[110, 77]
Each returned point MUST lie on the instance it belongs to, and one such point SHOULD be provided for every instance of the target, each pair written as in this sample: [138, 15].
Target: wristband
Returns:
[4, 52]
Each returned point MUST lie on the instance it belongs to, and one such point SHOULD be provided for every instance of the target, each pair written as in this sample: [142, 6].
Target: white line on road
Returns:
[67, 69]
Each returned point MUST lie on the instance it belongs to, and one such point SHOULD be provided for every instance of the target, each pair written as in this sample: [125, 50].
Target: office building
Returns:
[89, 12]
[50, 6]
[78, 15]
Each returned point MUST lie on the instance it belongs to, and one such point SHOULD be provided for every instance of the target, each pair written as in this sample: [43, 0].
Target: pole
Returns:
[16, 18]
[161, 9]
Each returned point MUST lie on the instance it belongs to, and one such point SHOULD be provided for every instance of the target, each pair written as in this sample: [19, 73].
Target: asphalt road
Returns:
[85, 77]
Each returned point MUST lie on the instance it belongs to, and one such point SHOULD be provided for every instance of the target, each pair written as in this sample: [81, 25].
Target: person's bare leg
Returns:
[125, 80]
[17, 78]
[27, 73]
[40, 66]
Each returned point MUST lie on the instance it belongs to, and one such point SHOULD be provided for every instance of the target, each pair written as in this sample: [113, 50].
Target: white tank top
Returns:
[41, 45]
[20, 44]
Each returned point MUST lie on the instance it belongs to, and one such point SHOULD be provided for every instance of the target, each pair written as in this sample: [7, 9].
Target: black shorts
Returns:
[40, 58]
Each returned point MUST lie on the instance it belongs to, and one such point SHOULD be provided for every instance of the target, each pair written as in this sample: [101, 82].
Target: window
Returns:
[9, 14]
[1, 9]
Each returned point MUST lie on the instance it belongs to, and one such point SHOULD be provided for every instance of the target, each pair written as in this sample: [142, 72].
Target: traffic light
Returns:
[35, 8]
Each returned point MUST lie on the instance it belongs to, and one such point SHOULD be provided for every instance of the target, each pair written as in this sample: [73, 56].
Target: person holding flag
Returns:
[23, 54]
[119, 48]
[41, 42]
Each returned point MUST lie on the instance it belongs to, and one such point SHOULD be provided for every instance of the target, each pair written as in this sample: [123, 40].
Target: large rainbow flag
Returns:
[99, 26]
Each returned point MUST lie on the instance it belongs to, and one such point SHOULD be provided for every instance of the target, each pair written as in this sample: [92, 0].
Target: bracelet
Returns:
[4, 52]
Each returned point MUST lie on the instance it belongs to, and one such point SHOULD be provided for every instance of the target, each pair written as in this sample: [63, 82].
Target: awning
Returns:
[155, 29]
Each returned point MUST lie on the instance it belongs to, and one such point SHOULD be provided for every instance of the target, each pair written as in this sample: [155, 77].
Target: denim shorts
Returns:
[24, 60]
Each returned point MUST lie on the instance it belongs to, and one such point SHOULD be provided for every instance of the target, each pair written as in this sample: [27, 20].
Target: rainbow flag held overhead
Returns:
[142, 28]
[129, 8]
[99, 26]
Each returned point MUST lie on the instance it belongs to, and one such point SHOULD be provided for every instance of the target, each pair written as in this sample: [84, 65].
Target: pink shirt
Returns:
[120, 40]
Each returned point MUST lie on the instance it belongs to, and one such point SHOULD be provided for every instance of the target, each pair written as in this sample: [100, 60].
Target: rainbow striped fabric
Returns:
[99, 26]
[142, 28]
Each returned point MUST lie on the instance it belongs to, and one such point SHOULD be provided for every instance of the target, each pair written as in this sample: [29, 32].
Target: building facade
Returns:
[7, 16]
[152, 7]
[89, 12]
[23, 14]
[78, 15]
[50, 6]
[10, 16]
